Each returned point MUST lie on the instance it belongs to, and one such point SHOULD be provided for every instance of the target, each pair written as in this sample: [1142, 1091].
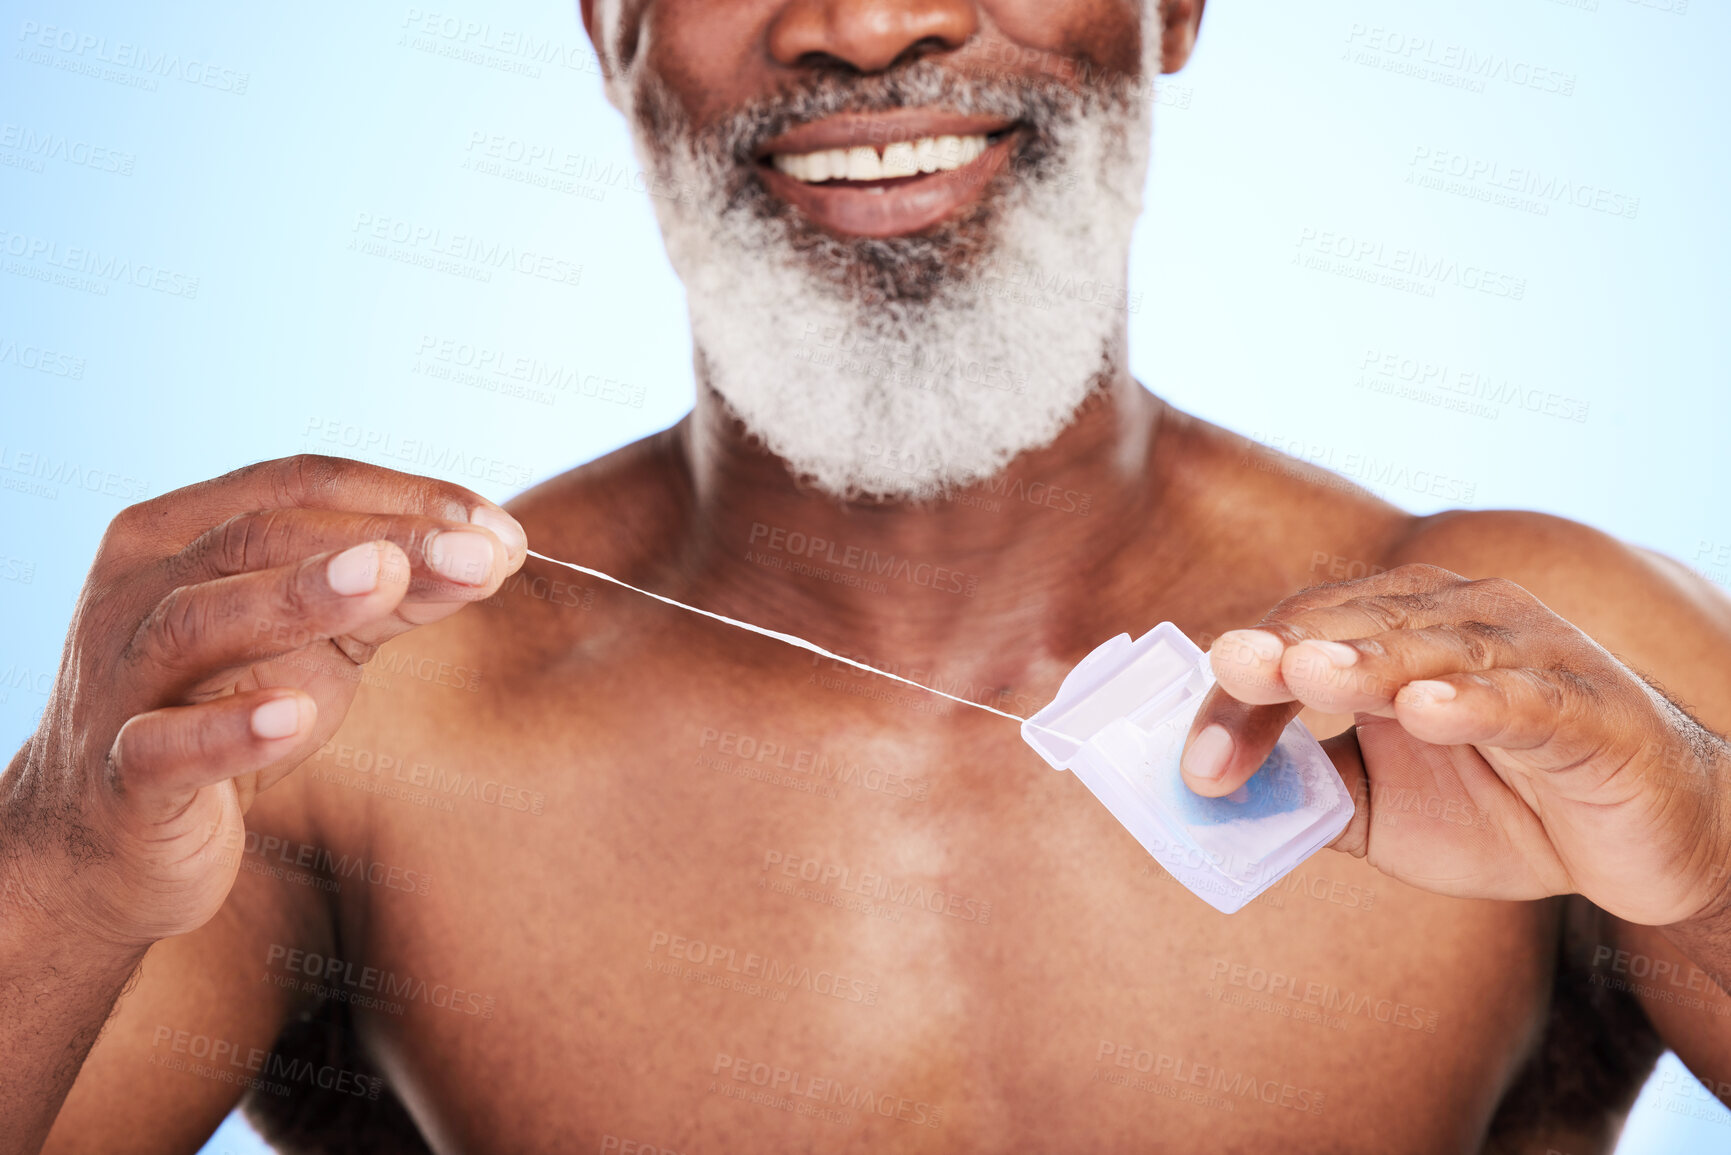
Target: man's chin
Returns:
[902, 344]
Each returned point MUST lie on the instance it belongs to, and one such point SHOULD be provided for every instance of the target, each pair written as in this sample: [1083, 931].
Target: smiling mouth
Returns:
[841, 179]
[866, 164]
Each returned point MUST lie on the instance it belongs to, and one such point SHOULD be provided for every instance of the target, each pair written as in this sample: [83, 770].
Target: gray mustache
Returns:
[1038, 104]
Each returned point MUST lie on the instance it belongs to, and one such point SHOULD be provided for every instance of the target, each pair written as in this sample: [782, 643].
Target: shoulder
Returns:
[1243, 507]
[1288, 472]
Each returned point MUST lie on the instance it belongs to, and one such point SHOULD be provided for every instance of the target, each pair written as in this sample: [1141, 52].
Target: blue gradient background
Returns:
[297, 341]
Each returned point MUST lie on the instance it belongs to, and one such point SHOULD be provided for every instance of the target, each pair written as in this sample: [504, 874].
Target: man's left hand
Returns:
[1498, 752]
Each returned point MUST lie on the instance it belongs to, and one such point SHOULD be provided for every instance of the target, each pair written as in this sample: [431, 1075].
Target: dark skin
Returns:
[641, 780]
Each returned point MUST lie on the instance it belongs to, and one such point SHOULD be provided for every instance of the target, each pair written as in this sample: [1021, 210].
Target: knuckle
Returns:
[122, 757]
[242, 542]
[355, 650]
[431, 497]
[170, 633]
[1562, 708]
[1492, 686]
[443, 500]
[136, 753]
[1416, 607]
[408, 532]
[300, 597]
[1499, 586]
[1474, 648]
[1424, 574]
[1301, 602]
[1481, 642]
[173, 745]
[1541, 695]
[150, 745]
[223, 549]
[300, 479]
[414, 545]
[1380, 649]
[129, 531]
[134, 757]
[1495, 594]
[1385, 613]
[312, 478]
[131, 521]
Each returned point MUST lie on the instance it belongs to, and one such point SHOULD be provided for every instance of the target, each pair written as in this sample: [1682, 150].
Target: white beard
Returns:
[907, 367]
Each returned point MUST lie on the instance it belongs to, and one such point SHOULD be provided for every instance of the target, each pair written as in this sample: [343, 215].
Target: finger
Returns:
[1405, 579]
[1362, 675]
[161, 757]
[310, 481]
[1246, 665]
[449, 560]
[198, 630]
[1556, 714]
[1494, 601]
[1229, 741]
[1249, 662]
[265, 538]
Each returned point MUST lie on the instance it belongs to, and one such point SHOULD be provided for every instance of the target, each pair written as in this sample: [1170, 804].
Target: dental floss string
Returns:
[778, 636]
[1145, 823]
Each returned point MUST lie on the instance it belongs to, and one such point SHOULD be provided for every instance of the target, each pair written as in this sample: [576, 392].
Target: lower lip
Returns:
[892, 208]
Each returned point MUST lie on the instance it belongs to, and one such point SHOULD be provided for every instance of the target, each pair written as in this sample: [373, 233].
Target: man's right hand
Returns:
[216, 645]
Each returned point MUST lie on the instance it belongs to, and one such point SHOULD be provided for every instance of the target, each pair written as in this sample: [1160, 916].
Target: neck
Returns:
[983, 584]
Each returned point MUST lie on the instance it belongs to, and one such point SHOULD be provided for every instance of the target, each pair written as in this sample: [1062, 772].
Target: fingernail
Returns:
[1334, 653]
[277, 718]
[1263, 644]
[503, 525]
[1423, 693]
[460, 557]
[354, 571]
[1208, 754]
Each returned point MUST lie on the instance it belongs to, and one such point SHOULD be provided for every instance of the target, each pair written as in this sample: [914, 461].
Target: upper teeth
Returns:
[903, 158]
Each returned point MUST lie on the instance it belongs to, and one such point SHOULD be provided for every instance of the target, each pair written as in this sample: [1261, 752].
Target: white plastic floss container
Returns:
[1119, 722]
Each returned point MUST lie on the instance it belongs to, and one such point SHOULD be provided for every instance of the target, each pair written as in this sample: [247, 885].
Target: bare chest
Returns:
[757, 929]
